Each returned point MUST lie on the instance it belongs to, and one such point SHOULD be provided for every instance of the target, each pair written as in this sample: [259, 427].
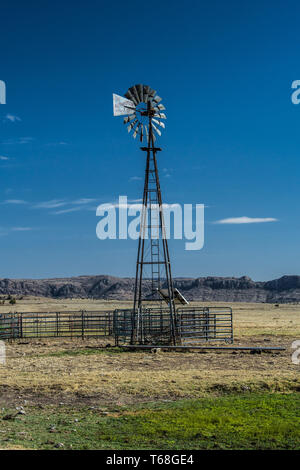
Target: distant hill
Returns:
[226, 289]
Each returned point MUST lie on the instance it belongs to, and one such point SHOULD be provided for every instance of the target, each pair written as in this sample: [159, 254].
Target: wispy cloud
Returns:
[18, 141]
[65, 206]
[135, 178]
[167, 172]
[56, 144]
[66, 211]
[12, 118]
[21, 229]
[3, 158]
[14, 201]
[118, 205]
[25, 140]
[7, 230]
[83, 201]
[245, 220]
[55, 203]
[52, 204]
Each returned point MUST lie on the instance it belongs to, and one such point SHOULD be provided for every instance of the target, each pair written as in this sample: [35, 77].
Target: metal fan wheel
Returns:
[138, 100]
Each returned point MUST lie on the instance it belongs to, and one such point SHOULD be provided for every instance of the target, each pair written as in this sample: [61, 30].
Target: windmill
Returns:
[144, 118]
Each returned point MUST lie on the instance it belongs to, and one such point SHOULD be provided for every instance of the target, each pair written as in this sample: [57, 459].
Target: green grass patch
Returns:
[265, 421]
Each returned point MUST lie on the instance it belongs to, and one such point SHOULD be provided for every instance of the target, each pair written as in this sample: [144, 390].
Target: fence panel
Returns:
[56, 324]
[205, 324]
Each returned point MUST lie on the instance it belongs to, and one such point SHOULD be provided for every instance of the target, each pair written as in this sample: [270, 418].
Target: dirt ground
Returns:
[43, 371]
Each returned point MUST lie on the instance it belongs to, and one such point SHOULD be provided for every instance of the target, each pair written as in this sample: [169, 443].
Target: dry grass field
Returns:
[65, 372]
[76, 367]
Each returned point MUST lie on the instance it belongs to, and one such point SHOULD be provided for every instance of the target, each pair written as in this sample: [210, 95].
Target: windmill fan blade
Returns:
[161, 107]
[131, 126]
[129, 118]
[152, 93]
[157, 99]
[146, 93]
[131, 97]
[135, 93]
[157, 130]
[140, 91]
[136, 131]
[161, 124]
[160, 115]
[122, 106]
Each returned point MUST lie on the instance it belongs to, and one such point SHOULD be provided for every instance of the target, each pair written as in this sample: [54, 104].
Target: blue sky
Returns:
[224, 70]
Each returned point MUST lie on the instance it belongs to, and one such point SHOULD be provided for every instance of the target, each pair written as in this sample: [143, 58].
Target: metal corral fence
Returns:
[193, 325]
[56, 324]
[153, 326]
[205, 324]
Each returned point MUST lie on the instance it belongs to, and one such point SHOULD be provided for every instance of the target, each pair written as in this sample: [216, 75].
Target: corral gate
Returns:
[205, 324]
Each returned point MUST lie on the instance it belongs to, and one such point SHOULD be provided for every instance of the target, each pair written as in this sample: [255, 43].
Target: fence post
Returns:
[206, 322]
[231, 324]
[56, 323]
[82, 325]
[116, 328]
[21, 325]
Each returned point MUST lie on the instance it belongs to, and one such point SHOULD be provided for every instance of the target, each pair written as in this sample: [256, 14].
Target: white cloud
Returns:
[8, 230]
[50, 204]
[167, 172]
[24, 140]
[245, 220]
[14, 201]
[123, 205]
[2, 157]
[65, 205]
[56, 144]
[12, 118]
[66, 211]
[19, 140]
[135, 178]
[83, 201]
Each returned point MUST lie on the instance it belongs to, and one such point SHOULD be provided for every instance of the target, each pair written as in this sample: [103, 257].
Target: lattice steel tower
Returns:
[153, 268]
